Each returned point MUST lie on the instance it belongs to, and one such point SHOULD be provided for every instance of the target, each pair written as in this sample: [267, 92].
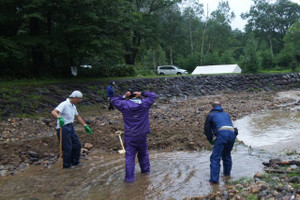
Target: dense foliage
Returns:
[41, 38]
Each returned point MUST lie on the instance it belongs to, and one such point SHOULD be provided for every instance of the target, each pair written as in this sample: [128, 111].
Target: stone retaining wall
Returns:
[213, 84]
[34, 100]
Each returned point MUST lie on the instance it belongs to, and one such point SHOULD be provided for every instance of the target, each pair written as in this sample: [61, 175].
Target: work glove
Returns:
[88, 130]
[61, 121]
[211, 142]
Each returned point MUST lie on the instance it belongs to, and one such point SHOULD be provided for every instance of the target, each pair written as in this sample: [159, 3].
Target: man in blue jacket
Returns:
[110, 93]
[135, 112]
[218, 123]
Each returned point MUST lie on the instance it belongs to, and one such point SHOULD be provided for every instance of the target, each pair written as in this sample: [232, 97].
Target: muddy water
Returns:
[274, 131]
[173, 174]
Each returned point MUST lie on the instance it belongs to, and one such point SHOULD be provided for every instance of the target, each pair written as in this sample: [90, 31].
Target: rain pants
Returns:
[136, 121]
[219, 123]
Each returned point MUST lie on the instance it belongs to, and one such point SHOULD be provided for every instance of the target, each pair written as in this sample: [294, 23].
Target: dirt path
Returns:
[177, 124]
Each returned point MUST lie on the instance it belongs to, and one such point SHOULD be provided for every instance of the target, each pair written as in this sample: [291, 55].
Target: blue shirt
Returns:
[109, 91]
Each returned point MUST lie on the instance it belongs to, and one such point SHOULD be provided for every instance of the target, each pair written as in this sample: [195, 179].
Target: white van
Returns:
[170, 70]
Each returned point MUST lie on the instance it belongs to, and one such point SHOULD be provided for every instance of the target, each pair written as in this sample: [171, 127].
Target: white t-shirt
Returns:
[67, 110]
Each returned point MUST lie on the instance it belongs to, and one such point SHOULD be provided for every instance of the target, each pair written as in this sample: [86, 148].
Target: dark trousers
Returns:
[71, 145]
[110, 107]
[222, 149]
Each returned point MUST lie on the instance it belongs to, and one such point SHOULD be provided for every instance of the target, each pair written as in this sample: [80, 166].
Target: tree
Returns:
[251, 62]
[46, 38]
[138, 15]
[173, 32]
[292, 43]
[219, 31]
[271, 21]
[192, 16]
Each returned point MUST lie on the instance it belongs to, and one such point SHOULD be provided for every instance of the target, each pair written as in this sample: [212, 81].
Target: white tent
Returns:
[217, 69]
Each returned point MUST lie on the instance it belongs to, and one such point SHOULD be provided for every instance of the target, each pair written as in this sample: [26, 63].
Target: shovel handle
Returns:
[60, 150]
[121, 142]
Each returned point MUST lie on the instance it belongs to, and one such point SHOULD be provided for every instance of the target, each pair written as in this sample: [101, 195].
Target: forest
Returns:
[45, 39]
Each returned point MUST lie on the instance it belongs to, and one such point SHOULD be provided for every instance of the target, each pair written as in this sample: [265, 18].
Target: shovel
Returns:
[60, 151]
[122, 151]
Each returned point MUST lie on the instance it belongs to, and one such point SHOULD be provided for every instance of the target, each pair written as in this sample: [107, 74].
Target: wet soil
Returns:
[176, 124]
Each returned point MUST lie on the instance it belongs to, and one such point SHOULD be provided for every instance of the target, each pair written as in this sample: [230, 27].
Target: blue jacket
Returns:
[110, 91]
[214, 120]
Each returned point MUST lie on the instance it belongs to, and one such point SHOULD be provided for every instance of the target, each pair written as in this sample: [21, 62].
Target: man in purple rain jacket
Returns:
[135, 112]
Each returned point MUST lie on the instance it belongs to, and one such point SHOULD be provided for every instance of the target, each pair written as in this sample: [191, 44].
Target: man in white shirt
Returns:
[65, 113]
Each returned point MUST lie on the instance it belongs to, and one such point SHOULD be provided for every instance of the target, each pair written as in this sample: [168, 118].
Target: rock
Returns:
[88, 146]
[114, 122]
[294, 179]
[262, 195]
[198, 198]
[33, 154]
[32, 160]
[83, 150]
[89, 121]
[264, 187]
[254, 189]
[274, 161]
[47, 121]
[3, 172]
[231, 195]
[258, 175]
[225, 195]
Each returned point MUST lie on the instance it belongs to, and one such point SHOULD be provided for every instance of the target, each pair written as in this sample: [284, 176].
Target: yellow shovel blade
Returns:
[122, 151]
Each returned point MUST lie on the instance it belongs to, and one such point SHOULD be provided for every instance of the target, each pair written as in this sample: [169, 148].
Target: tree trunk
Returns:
[271, 47]
[36, 49]
[203, 37]
[191, 39]
[202, 43]
[133, 49]
[153, 59]
[171, 54]
[49, 29]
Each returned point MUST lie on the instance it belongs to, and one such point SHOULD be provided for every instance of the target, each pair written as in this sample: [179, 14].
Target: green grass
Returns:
[243, 180]
[295, 173]
[252, 197]
[37, 82]
[291, 152]
[278, 70]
